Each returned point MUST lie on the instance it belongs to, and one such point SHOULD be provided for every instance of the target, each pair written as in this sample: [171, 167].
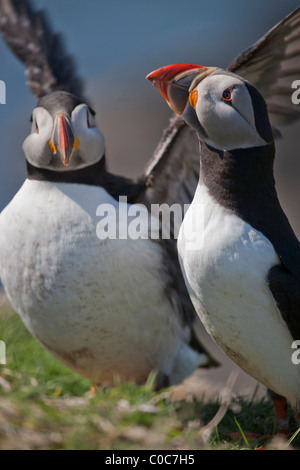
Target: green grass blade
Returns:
[242, 433]
[293, 437]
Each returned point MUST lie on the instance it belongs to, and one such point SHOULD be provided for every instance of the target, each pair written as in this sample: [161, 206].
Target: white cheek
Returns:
[92, 145]
[44, 121]
[45, 125]
[37, 151]
[91, 142]
[36, 145]
[226, 128]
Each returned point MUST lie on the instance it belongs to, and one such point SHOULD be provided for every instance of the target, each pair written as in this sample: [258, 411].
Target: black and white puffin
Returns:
[105, 307]
[237, 250]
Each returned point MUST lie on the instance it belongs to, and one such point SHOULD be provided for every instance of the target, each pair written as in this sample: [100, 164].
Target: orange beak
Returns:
[176, 82]
[63, 138]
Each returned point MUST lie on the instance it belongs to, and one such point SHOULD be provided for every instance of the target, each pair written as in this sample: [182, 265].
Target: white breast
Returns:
[99, 305]
[225, 264]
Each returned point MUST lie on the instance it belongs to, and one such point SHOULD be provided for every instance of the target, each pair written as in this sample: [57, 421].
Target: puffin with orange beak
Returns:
[237, 250]
[64, 135]
[106, 304]
[63, 138]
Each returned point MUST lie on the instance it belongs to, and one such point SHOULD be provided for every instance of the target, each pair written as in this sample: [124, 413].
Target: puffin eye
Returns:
[36, 127]
[226, 95]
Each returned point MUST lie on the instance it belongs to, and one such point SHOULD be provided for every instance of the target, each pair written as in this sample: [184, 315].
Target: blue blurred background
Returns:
[115, 45]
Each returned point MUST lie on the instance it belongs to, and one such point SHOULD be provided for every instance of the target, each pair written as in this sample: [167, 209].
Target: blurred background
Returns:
[116, 44]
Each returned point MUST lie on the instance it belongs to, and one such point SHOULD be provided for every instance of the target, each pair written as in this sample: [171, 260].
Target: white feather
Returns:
[98, 305]
[225, 268]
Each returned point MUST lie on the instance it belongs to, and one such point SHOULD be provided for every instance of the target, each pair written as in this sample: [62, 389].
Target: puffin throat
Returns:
[241, 180]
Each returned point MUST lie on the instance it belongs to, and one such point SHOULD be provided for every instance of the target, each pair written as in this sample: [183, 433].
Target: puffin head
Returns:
[226, 111]
[64, 135]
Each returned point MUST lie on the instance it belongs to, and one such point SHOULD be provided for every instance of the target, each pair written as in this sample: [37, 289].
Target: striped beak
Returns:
[176, 82]
[63, 138]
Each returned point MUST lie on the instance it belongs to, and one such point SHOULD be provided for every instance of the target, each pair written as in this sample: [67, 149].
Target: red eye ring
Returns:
[227, 95]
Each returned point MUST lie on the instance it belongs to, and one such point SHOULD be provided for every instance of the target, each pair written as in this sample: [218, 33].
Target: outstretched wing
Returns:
[272, 64]
[171, 177]
[172, 174]
[28, 34]
[50, 68]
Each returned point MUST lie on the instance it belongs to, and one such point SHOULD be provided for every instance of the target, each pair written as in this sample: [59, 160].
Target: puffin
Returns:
[238, 252]
[109, 306]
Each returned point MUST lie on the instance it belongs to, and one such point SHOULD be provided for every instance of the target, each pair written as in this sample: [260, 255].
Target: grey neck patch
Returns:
[190, 117]
[262, 122]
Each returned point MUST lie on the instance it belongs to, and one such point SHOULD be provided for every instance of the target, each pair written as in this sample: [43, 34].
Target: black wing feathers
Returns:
[28, 34]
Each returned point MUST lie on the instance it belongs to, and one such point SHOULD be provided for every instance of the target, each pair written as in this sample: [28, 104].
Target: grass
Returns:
[44, 405]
